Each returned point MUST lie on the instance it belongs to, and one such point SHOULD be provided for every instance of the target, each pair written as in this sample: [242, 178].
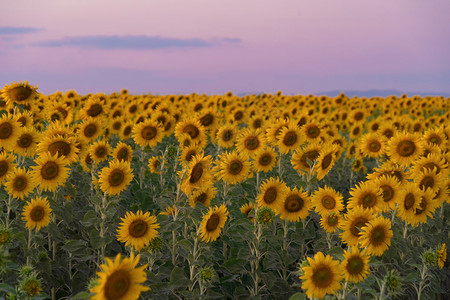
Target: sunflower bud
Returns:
[430, 258]
[31, 286]
[207, 274]
[26, 271]
[5, 236]
[265, 216]
[394, 282]
[155, 245]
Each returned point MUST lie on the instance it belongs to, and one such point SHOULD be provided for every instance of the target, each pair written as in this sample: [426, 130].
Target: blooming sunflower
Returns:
[404, 148]
[27, 141]
[154, 164]
[372, 145]
[120, 279]
[325, 161]
[312, 132]
[192, 127]
[10, 131]
[301, 157]
[326, 200]
[6, 165]
[435, 136]
[25, 119]
[234, 168]
[19, 93]
[273, 130]
[148, 133]
[264, 160]
[295, 205]
[367, 195]
[290, 138]
[90, 129]
[330, 222]
[272, 193]
[376, 236]
[442, 255]
[212, 223]
[355, 265]
[116, 177]
[198, 174]
[94, 108]
[190, 152]
[123, 152]
[203, 196]
[99, 150]
[321, 276]
[389, 188]
[19, 183]
[246, 209]
[428, 179]
[426, 208]
[51, 171]
[136, 230]
[249, 141]
[126, 130]
[36, 213]
[354, 220]
[408, 201]
[60, 146]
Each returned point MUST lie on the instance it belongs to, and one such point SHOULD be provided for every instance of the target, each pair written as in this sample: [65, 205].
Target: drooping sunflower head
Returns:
[36, 213]
[136, 230]
[19, 93]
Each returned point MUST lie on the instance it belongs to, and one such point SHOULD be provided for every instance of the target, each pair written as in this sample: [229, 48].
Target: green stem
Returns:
[8, 210]
[29, 247]
[192, 264]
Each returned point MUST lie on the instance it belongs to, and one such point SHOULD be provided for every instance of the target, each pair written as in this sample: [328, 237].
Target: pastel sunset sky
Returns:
[215, 46]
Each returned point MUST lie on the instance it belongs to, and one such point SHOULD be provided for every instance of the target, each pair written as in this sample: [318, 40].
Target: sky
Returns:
[216, 46]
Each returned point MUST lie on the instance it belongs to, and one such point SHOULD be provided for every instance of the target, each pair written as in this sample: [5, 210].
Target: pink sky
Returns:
[296, 46]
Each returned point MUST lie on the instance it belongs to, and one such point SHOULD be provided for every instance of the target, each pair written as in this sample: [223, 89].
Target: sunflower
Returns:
[136, 230]
[60, 146]
[19, 93]
[212, 223]
[36, 213]
[249, 141]
[126, 130]
[376, 236]
[27, 141]
[99, 151]
[198, 174]
[120, 279]
[372, 145]
[57, 128]
[355, 265]
[295, 205]
[192, 127]
[265, 160]
[404, 148]
[94, 108]
[234, 167]
[170, 211]
[25, 119]
[442, 255]
[116, 177]
[10, 131]
[321, 276]
[115, 125]
[408, 201]
[209, 118]
[366, 195]
[226, 135]
[247, 208]
[396, 171]
[203, 196]
[272, 193]
[123, 152]
[428, 179]
[148, 133]
[330, 222]
[312, 132]
[154, 164]
[290, 138]
[325, 161]
[51, 171]
[426, 208]
[390, 188]
[301, 158]
[354, 220]
[326, 200]
[19, 183]
[6, 165]
[189, 153]
[90, 129]
[273, 130]
[435, 136]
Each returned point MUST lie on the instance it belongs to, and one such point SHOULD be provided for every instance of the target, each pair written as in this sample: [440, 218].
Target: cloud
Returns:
[132, 42]
[6, 30]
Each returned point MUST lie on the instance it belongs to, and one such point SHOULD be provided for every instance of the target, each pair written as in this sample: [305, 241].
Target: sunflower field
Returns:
[196, 196]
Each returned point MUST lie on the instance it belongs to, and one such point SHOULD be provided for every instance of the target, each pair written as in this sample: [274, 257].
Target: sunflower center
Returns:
[138, 228]
[20, 183]
[60, 148]
[388, 133]
[423, 206]
[25, 140]
[257, 123]
[49, 170]
[435, 139]
[357, 224]
[270, 195]
[265, 159]
[132, 109]
[374, 146]
[326, 162]
[116, 177]
[322, 276]
[37, 213]
[406, 148]
[122, 154]
[201, 198]
[409, 201]
[311, 155]
[127, 130]
[6, 130]
[377, 235]
[95, 110]
[196, 174]
[290, 138]
[294, 203]
[368, 200]
[100, 152]
[358, 116]
[22, 120]
[431, 166]
[235, 167]
[355, 265]
[313, 132]
[190, 154]
[212, 222]
[328, 202]
[426, 182]
[148, 132]
[207, 120]
[116, 125]
[251, 143]
[117, 285]
[90, 130]
[388, 193]
[227, 135]
[21, 93]
[191, 130]
[333, 220]
[238, 116]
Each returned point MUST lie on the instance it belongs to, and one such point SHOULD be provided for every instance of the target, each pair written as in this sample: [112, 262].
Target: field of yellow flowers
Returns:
[195, 196]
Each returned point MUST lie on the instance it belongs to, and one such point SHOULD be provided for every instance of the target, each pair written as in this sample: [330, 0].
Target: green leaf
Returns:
[7, 288]
[298, 296]
[90, 218]
[81, 296]
[178, 279]
[236, 265]
[73, 246]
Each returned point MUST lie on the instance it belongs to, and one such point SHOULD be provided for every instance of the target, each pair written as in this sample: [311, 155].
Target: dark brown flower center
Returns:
[265, 159]
[356, 225]
[192, 130]
[90, 130]
[213, 222]
[388, 192]
[149, 132]
[326, 161]
[6, 129]
[138, 228]
[251, 143]
[37, 213]
[235, 167]
[406, 148]
[201, 198]
[322, 276]
[21, 93]
[355, 265]
[196, 174]
[49, 170]
[227, 135]
[20, 183]
[426, 182]
[62, 148]
[313, 131]
[127, 130]
[95, 110]
[377, 235]
[290, 138]
[409, 201]
[25, 140]
[333, 220]
[270, 195]
[374, 146]
[368, 200]
[293, 203]
[117, 285]
[122, 154]
[207, 120]
[328, 202]
[100, 152]
[312, 155]
[116, 177]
